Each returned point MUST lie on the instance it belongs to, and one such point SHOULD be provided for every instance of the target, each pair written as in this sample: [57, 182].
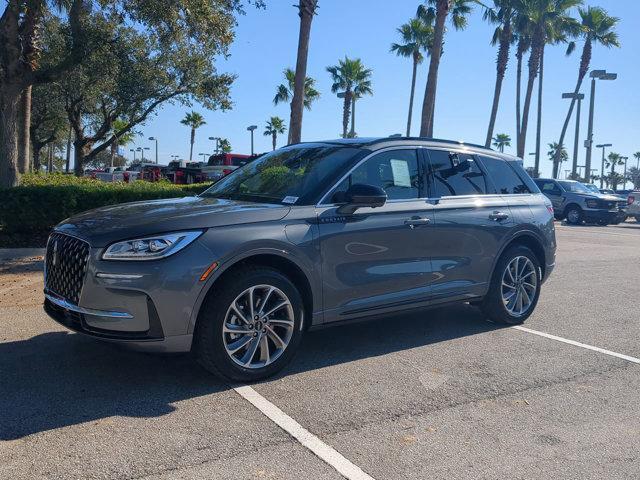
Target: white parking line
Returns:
[578, 344]
[302, 435]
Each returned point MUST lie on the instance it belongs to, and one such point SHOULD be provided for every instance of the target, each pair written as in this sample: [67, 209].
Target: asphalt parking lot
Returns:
[438, 394]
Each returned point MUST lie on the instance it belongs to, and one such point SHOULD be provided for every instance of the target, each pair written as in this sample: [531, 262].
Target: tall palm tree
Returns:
[274, 127]
[436, 12]
[599, 28]
[417, 37]
[543, 16]
[306, 11]
[556, 150]
[346, 75]
[503, 15]
[637, 157]
[284, 91]
[523, 37]
[501, 140]
[195, 121]
[612, 160]
[361, 87]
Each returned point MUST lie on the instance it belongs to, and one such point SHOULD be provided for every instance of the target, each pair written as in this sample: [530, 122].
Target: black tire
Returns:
[573, 215]
[209, 346]
[493, 305]
[604, 223]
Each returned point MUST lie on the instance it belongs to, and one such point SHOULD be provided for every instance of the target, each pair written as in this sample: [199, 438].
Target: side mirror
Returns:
[362, 195]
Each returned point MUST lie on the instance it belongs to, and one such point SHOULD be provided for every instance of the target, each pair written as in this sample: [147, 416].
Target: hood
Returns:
[130, 220]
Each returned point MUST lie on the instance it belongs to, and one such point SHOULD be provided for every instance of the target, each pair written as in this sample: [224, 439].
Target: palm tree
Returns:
[417, 37]
[553, 151]
[501, 140]
[596, 27]
[195, 121]
[543, 16]
[346, 76]
[306, 11]
[284, 91]
[274, 127]
[637, 157]
[612, 160]
[436, 12]
[361, 87]
[503, 15]
[522, 29]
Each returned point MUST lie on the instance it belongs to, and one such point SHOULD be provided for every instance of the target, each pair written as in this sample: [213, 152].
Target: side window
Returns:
[504, 177]
[549, 187]
[455, 173]
[395, 171]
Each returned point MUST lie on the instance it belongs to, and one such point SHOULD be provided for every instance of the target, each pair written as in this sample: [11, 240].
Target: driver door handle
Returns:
[497, 216]
[417, 221]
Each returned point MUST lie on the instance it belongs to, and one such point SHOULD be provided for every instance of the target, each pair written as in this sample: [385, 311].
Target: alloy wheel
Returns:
[258, 326]
[519, 285]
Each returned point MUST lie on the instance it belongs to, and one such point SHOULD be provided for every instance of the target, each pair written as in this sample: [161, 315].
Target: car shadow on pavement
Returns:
[60, 379]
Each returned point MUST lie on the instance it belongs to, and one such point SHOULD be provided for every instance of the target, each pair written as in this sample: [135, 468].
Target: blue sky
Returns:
[266, 42]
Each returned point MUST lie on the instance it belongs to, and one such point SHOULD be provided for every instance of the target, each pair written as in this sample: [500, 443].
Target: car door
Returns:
[376, 259]
[471, 224]
[552, 190]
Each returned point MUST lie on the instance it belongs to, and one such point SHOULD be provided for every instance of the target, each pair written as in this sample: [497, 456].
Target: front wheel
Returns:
[515, 287]
[250, 328]
[574, 215]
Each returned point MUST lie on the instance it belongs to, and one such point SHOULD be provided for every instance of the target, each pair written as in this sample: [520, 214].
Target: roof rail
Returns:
[432, 139]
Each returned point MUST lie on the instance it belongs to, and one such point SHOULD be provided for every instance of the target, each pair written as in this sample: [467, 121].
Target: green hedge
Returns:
[42, 201]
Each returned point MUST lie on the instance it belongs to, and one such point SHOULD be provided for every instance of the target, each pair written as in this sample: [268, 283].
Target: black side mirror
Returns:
[363, 195]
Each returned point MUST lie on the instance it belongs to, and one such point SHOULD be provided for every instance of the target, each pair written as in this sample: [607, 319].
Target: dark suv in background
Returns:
[309, 235]
[577, 203]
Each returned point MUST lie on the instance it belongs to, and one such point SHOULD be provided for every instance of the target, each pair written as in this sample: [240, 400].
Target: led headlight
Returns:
[150, 248]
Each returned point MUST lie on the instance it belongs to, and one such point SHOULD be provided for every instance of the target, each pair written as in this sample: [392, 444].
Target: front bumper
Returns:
[609, 216]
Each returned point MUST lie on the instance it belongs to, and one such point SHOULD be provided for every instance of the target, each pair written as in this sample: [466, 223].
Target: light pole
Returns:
[141, 150]
[204, 155]
[578, 97]
[217, 139]
[156, 140]
[588, 143]
[251, 129]
[134, 154]
[603, 146]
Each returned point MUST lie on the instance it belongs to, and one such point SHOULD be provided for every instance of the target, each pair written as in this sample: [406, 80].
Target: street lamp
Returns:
[217, 139]
[156, 140]
[251, 129]
[588, 143]
[603, 146]
[141, 150]
[204, 155]
[578, 97]
[134, 154]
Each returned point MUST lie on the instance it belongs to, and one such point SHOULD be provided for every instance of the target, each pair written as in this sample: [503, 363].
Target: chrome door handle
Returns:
[497, 216]
[417, 221]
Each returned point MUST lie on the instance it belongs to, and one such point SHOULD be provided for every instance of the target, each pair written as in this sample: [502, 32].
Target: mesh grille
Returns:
[66, 264]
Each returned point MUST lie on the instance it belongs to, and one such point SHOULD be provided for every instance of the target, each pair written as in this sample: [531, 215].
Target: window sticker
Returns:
[401, 175]
[290, 199]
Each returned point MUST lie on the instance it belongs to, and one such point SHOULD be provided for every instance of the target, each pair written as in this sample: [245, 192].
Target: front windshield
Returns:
[592, 187]
[289, 175]
[575, 187]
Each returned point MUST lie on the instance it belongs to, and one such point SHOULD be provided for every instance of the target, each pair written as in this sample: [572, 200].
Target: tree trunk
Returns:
[9, 106]
[519, 56]
[352, 133]
[539, 120]
[80, 150]
[306, 10]
[501, 68]
[428, 105]
[534, 65]
[345, 113]
[36, 158]
[112, 156]
[413, 91]
[24, 125]
[68, 162]
[193, 138]
[274, 140]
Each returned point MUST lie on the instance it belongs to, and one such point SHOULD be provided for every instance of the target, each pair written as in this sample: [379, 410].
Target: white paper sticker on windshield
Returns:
[289, 199]
[400, 170]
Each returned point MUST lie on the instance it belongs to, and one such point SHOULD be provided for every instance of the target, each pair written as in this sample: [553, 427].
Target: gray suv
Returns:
[309, 235]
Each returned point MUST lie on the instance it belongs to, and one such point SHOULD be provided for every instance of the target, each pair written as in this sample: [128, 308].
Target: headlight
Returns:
[592, 203]
[150, 248]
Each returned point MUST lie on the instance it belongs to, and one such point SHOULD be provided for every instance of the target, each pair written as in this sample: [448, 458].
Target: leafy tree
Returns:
[436, 12]
[417, 37]
[120, 139]
[104, 159]
[193, 120]
[193, 32]
[597, 27]
[502, 14]
[284, 91]
[275, 126]
[350, 77]
[48, 120]
[634, 177]
[306, 11]
[501, 140]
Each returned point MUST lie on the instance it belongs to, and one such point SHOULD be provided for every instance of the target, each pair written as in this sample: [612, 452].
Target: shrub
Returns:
[42, 201]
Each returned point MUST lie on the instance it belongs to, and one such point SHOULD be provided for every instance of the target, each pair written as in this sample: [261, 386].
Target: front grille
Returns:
[65, 266]
[622, 205]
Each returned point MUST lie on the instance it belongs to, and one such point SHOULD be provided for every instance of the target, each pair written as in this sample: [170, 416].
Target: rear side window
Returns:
[454, 173]
[504, 177]
[547, 186]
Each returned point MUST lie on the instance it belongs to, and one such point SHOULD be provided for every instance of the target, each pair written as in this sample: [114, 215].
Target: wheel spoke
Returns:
[264, 349]
[527, 275]
[265, 300]
[251, 351]
[238, 312]
[526, 297]
[277, 307]
[511, 286]
[238, 344]
[275, 337]
[280, 322]
[235, 328]
[251, 306]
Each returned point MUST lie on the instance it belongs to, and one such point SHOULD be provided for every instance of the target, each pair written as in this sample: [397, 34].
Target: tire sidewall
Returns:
[210, 339]
[578, 210]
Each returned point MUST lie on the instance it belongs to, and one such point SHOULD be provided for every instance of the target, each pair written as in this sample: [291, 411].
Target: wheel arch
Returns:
[529, 239]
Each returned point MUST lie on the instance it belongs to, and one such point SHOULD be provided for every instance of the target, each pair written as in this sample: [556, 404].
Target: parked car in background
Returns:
[577, 203]
[633, 205]
[306, 236]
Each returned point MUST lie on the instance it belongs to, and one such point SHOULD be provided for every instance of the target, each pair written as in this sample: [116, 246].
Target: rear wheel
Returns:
[515, 287]
[251, 328]
[574, 215]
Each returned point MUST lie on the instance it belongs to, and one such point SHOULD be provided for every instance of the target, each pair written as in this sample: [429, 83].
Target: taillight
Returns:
[550, 209]
[630, 199]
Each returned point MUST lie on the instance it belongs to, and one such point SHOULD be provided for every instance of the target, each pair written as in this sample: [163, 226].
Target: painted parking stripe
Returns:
[578, 344]
[302, 435]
